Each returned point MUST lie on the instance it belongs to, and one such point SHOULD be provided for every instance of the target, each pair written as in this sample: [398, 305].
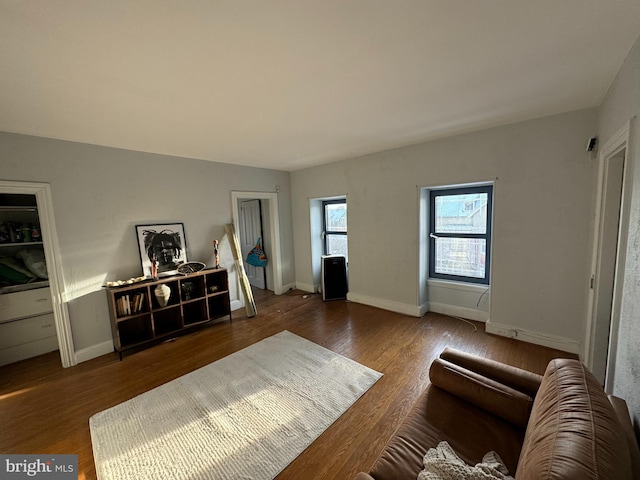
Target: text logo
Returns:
[50, 467]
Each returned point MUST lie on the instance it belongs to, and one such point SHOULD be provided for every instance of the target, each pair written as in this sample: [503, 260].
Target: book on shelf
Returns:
[130, 304]
[138, 302]
[120, 306]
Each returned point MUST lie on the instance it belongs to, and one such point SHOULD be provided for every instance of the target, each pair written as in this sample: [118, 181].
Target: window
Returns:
[460, 233]
[334, 227]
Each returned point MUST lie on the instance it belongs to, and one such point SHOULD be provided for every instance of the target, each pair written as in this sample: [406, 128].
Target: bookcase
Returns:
[138, 319]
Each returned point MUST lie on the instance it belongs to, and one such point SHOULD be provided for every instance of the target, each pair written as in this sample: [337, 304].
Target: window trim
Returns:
[432, 235]
[326, 232]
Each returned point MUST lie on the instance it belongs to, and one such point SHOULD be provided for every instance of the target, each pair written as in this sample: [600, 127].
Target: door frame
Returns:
[274, 230]
[42, 192]
[619, 142]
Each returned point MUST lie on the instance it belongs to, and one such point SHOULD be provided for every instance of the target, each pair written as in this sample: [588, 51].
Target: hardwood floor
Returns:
[45, 408]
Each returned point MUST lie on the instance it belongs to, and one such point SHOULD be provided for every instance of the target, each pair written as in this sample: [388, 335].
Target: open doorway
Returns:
[271, 234]
[250, 234]
[49, 240]
[608, 257]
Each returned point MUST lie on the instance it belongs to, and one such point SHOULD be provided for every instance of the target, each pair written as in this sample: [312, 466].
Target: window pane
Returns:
[461, 213]
[337, 245]
[336, 217]
[461, 256]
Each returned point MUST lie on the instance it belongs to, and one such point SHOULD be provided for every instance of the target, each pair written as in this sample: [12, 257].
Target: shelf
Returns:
[131, 302]
[129, 317]
[168, 307]
[134, 331]
[25, 286]
[191, 300]
[196, 299]
[21, 244]
[16, 208]
[174, 298]
[219, 305]
[223, 292]
[167, 321]
[192, 288]
[195, 324]
[19, 214]
[195, 312]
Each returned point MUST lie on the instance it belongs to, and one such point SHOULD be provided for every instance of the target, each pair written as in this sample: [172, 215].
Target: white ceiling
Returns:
[286, 84]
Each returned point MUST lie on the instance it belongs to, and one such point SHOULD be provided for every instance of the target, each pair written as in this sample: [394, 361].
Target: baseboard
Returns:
[94, 351]
[286, 288]
[455, 311]
[236, 305]
[565, 344]
[306, 287]
[403, 308]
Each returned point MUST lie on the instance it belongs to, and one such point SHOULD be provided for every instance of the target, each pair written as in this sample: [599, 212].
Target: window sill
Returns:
[468, 287]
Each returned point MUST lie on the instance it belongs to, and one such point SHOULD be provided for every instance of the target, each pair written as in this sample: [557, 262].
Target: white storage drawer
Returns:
[27, 330]
[27, 338]
[25, 304]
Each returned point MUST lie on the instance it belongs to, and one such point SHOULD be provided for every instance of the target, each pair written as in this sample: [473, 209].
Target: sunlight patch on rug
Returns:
[245, 416]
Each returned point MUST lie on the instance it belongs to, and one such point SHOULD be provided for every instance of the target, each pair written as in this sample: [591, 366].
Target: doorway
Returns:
[44, 203]
[250, 231]
[271, 230]
[608, 257]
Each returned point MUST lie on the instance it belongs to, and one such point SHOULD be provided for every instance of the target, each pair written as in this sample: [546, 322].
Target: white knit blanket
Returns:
[442, 463]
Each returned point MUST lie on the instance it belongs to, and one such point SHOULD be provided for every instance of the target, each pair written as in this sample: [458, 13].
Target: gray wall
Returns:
[619, 106]
[100, 194]
[543, 223]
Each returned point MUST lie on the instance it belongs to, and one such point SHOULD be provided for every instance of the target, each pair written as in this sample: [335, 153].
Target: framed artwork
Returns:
[164, 242]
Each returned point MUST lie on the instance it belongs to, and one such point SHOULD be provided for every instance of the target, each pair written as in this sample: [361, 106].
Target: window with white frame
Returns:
[334, 226]
[460, 233]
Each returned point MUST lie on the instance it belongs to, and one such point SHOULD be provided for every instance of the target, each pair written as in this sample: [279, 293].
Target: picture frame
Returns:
[165, 241]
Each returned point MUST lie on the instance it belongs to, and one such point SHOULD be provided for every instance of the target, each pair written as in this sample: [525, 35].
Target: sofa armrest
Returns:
[514, 377]
[574, 431]
[363, 476]
[494, 397]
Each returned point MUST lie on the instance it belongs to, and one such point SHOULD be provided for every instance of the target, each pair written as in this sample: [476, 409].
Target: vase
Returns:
[162, 293]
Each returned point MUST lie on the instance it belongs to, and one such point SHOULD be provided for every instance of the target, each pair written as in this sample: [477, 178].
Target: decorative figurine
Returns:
[216, 253]
[154, 267]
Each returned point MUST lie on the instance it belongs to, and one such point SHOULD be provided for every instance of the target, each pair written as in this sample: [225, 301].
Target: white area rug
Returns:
[246, 416]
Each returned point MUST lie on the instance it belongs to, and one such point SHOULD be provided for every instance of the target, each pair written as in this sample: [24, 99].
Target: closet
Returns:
[27, 326]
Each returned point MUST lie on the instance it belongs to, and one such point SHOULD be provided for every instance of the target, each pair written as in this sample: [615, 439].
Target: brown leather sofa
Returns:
[559, 426]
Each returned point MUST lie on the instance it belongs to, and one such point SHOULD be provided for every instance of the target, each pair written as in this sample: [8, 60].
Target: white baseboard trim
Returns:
[236, 305]
[306, 287]
[552, 341]
[403, 308]
[94, 351]
[455, 311]
[286, 288]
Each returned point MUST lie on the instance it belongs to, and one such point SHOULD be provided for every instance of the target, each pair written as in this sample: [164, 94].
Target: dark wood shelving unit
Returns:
[138, 319]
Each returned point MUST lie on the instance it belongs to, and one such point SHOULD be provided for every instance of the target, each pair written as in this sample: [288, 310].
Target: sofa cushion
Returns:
[494, 397]
[573, 431]
[514, 377]
[439, 416]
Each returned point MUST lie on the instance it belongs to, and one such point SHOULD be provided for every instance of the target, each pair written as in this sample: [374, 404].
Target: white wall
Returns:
[621, 103]
[543, 204]
[100, 194]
